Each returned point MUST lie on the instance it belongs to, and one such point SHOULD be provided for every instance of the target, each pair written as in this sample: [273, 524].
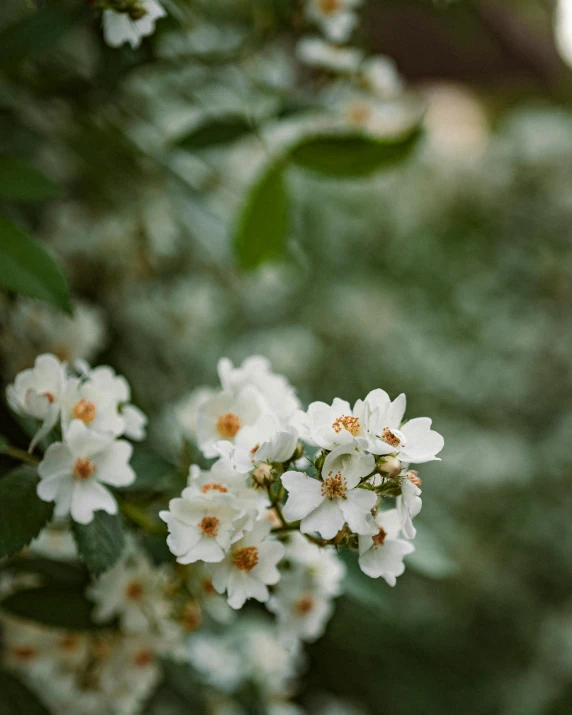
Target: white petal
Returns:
[327, 520]
[84, 442]
[356, 510]
[113, 467]
[304, 495]
[88, 497]
[423, 443]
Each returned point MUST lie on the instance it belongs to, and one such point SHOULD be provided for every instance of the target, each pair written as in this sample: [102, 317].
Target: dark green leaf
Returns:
[27, 268]
[4, 444]
[63, 574]
[154, 473]
[35, 34]
[351, 155]
[52, 606]
[263, 224]
[19, 180]
[101, 542]
[216, 132]
[16, 699]
[22, 512]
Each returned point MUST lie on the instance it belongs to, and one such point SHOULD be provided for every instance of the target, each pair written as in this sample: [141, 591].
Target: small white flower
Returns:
[335, 18]
[201, 526]
[88, 403]
[382, 554]
[314, 52]
[279, 396]
[249, 567]
[222, 418]
[409, 503]
[72, 473]
[119, 27]
[133, 591]
[326, 505]
[381, 77]
[187, 407]
[328, 426]
[135, 421]
[383, 433]
[38, 392]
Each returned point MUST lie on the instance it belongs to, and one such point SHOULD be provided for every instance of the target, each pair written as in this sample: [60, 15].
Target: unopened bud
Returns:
[389, 466]
[262, 474]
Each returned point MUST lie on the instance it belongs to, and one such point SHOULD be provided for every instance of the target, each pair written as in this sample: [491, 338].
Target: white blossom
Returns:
[38, 392]
[409, 503]
[382, 554]
[249, 567]
[86, 401]
[335, 18]
[73, 472]
[201, 525]
[119, 27]
[315, 52]
[325, 505]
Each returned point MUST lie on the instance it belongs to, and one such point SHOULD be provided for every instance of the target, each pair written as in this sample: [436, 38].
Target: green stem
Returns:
[21, 454]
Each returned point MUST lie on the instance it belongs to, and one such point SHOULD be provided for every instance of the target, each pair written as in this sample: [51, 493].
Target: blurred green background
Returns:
[448, 278]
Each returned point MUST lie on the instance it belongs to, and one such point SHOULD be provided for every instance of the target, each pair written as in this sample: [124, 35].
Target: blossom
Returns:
[384, 433]
[121, 27]
[381, 77]
[201, 525]
[335, 18]
[132, 590]
[314, 52]
[326, 505]
[278, 395]
[409, 503]
[37, 392]
[249, 567]
[382, 554]
[73, 472]
[96, 408]
[222, 418]
[328, 426]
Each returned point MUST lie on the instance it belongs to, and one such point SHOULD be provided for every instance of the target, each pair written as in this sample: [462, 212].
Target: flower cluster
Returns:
[265, 519]
[90, 410]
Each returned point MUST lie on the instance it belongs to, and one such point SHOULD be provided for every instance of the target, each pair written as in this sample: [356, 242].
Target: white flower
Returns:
[326, 505]
[381, 431]
[382, 554]
[328, 426]
[303, 600]
[85, 401]
[409, 503]
[119, 27]
[249, 567]
[114, 389]
[38, 391]
[132, 590]
[314, 52]
[72, 473]
[187, 407]
[335, 18]
[381, 77]
[222, 418]
[201, 526]
[279, 396]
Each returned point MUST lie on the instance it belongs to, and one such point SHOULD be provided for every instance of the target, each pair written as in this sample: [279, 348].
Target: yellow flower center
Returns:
[334, 487]
[304, 605]
[379, 538]
[327, 7]
[228, 425]
[246, 559]
[143, 658]
[134, 591]
[389, 438]
[347, 422]
[214, 486]
[209, 526]
[83, 469]
[84, 410]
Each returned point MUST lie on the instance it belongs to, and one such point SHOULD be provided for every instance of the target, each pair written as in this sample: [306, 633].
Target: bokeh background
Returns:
[448, 277]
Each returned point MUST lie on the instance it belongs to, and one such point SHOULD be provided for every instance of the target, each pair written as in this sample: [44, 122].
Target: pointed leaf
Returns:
[22, 513]
[263, 224]
[20, 181]
[52, 606]
[101, 542]
[17, 699]
[216, 132]
[27, 268]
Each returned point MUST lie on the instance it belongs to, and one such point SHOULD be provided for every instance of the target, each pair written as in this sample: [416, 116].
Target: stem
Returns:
[21, 454]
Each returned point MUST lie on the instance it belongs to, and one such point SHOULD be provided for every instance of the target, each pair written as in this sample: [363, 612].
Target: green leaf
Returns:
[351, 155]
[101, 542]
[4, 444]
[35, 34]
[22, 513]
[264, 221]
[19, 180]
[216, 132]
[52, 606]
[16, 699]
[63, 574]
[27, 268]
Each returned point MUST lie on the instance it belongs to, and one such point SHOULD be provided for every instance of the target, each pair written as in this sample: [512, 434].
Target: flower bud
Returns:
[262, 474]
[389, 466]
